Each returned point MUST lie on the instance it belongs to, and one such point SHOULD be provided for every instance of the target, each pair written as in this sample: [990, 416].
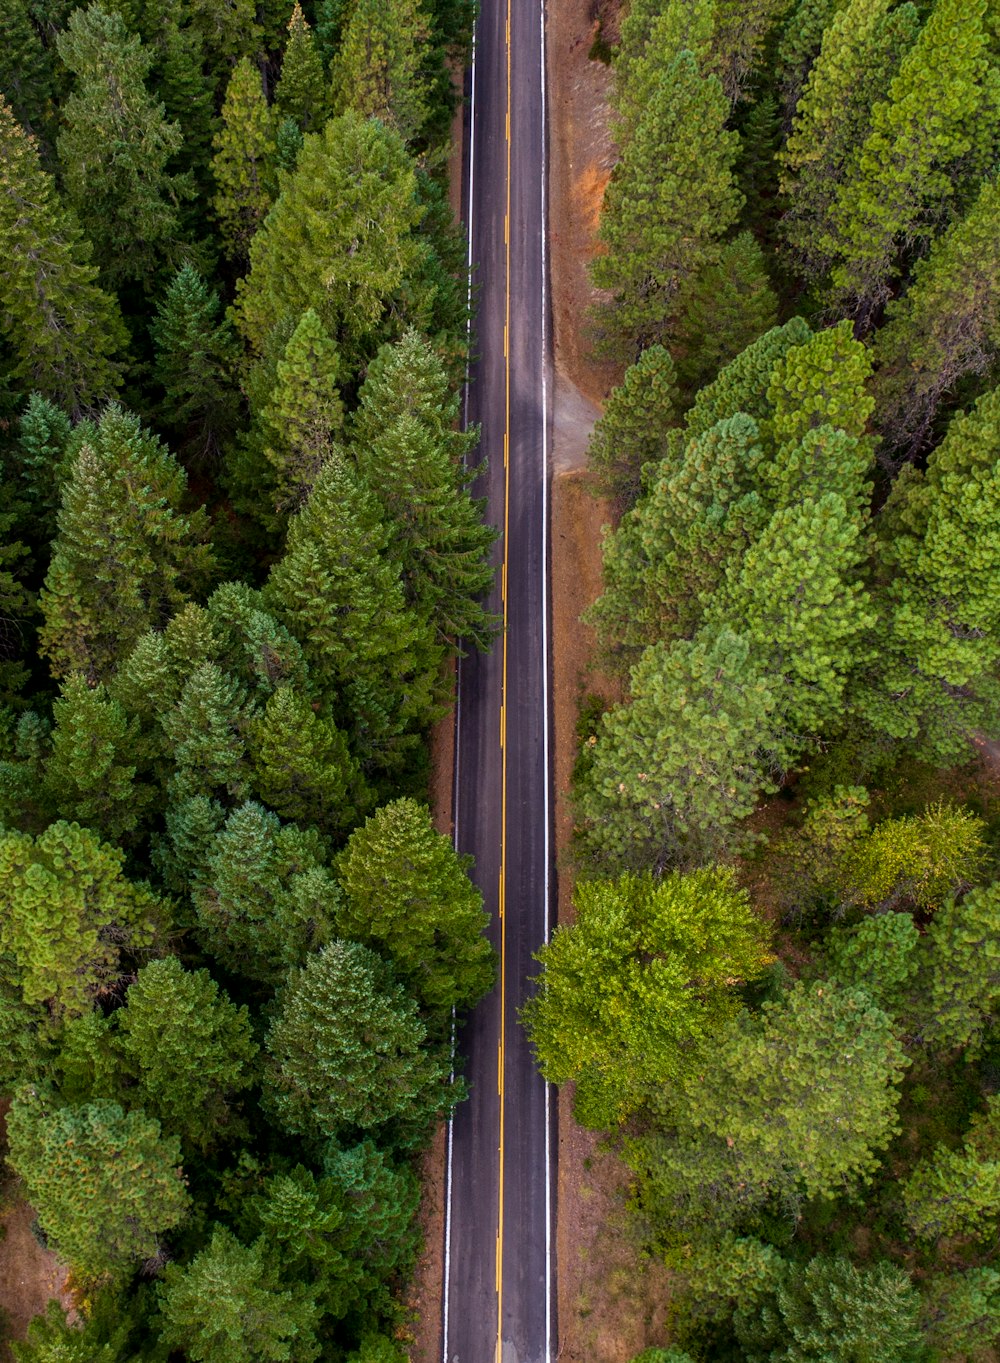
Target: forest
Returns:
[239, 555]
[778, 994]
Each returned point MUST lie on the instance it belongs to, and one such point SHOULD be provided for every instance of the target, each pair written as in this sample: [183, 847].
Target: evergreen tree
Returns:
[899, 179]
[878, 955]
[301, 94]
[206, 733]
[798, 46]
[379, 70]
[670, 199]
[341, 240]
[63, 330]
[348, 1051]
[125, 555]
[195, 351]
[69, 914]
[820, 383]
[27, 68]
[91, 770]
[652, 37]
[246, 640]
[243, 164]
[44, 457]
[105, 1184]
[722, 310]
[632, 430]
[794, 1105]
[672, 772]
[944, 329]
[262, 897]
[741, 31]
[114, 148]
[861, 53]
[744, 383]
[962, 1310]
[959, 982]
[187, 1047]
[229, 1303]
[936, 575]
[340, 593]
[303, 413]
[52, 1339]
[303, 767]
[408, 893]
[643, 978]
[410, 454]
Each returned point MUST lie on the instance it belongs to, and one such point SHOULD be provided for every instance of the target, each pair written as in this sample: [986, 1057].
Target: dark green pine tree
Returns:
[302, 92]
[44, 456]
[195, 353]
[27, 68]
[243, 165]
[633, 428]
[126, 554]
[205, 732]
[262, 896]
[408, 893]
[411, 456]
[63, 330]
[114, 150]
[339, 590]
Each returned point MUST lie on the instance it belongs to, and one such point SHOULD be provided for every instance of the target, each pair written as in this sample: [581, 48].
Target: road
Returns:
[499, 1295]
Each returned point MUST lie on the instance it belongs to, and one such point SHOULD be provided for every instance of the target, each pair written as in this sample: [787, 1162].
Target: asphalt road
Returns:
[499, 1304]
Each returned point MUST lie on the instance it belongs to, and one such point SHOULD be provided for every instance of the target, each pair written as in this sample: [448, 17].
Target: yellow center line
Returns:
[503, 727]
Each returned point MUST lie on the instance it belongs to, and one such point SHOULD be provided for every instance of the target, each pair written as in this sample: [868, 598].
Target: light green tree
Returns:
[642, 979]
[243, 165]
[959, 982]
[301, 93]
[380, 68]
[744, 383]
[105, 1184]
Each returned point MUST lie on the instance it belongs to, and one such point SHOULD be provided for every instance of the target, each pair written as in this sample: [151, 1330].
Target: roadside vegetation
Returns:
[238, 554]
[778, 995]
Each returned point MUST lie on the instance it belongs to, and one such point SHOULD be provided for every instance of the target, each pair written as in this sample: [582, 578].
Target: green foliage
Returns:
[946, 326]
[105, 1184]
[643, 979]
[878, 955]
[263, 898]
[820, 383]
[52, 1339]
[962, 1310]
[63, 329]
[301, 94]
[743, 385]
[229, 1304]
[114, 150]
[126, 554]
[187, 1047]
[675, 770]
[408, 893]
[797, 1103]
[633, 428]
[347, 1052]
[919, 858]
[959, 985]
[670, 200]
[68, 914]
[380, 68]
[243, 164]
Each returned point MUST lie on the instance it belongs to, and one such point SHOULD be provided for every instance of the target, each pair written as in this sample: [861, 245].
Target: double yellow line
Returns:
[501, 1049]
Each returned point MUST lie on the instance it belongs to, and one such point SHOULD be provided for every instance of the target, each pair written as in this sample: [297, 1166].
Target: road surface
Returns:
[499, 1297]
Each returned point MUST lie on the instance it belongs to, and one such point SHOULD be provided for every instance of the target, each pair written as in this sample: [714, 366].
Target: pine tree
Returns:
[243, 164]
[91, 771]
[647, 973]
[799, 45]
[900, 177]
[303, 767]
[341, 240]
[959, 982]
[263, 899]
[206, 731]
[799, 600]
[339, 591]
[652, 38]
[936, 590]
[379, 69]
[347, 1052]
[957, 1192]
[407, 893]
[114, 148]
[820, 383]
[245, 639]
[69, 914]
[125, 555]
[195, 350]
[632, 430]
[409, 453]
[962, 1310]
[304, 412]
[741, 30]
[44, 457]
[670, 199]
[722, 310]
[187, 1047]
[743, 385]
[301, 94]
[673, 771]
[105, 1185]
[944, 329]
[63, 330]
[861, 54]
[27, 68]
[229, 1303]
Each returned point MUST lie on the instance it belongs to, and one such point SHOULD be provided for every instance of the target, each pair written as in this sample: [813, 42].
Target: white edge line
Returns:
[449, 1162]
[546, 757]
